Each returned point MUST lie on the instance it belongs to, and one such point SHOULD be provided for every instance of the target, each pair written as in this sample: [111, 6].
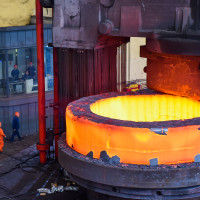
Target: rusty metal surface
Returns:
[87, 72]
[131, 181]
[78, 24]
[173, 74]
[178, 46]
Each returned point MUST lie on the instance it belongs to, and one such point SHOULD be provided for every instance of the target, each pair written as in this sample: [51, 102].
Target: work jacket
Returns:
[15, 123]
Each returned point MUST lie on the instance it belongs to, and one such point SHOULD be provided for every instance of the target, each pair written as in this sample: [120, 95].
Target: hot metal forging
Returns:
[131, 156]
[156, 126]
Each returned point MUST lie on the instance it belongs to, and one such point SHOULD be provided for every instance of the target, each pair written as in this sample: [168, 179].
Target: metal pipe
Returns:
[56, 100]
[41, 83]
[7, 76]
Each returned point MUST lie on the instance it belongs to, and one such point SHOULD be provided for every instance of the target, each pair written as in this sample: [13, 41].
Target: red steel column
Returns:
[41, 84]
[56, 100]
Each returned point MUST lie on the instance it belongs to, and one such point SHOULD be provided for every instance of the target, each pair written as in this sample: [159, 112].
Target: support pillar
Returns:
[56, 100]
[41, 146]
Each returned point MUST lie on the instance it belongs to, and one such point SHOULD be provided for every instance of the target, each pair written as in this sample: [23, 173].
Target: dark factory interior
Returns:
[112, 138]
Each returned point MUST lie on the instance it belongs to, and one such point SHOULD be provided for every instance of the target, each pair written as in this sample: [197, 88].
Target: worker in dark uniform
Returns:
[15, 127]
[15, 73]
[15, 76]
[31, 70]
[26, 76]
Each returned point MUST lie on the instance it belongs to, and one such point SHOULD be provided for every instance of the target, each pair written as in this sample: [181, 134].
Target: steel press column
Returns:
[41, 146]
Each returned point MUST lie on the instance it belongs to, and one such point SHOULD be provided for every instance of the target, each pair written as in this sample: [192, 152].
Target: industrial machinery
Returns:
[87, 34]
[93, 28]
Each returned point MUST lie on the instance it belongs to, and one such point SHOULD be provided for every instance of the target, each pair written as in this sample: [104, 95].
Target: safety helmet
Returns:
[17, 114]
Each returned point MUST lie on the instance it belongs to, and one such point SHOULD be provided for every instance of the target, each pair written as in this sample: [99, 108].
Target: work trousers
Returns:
[1, 143]
[16, 132]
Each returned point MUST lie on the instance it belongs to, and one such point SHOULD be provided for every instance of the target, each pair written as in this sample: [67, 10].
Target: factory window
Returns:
[20, 68]
[3, 72]
[48, 64]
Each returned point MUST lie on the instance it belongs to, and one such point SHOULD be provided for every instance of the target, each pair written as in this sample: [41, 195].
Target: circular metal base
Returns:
[91, 195]
[125, 181]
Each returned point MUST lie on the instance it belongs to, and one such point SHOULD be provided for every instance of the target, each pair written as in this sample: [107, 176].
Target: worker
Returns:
[2, 135]
[15, 76]
[15, 127]
[26, 76]
[15, 73]
[31, 70]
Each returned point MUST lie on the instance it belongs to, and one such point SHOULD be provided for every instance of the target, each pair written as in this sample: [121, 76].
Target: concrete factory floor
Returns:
[21, 175]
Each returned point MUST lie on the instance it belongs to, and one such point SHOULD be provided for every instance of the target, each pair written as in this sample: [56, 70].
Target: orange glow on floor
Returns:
[137, 145]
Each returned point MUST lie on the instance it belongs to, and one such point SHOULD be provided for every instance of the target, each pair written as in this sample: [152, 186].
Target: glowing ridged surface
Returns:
[136, 144]
[147, 108]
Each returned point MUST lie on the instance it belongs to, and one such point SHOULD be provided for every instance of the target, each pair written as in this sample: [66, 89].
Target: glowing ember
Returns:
[135, 127]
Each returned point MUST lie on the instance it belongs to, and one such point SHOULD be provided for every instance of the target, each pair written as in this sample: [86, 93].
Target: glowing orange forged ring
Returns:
[166, 127]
